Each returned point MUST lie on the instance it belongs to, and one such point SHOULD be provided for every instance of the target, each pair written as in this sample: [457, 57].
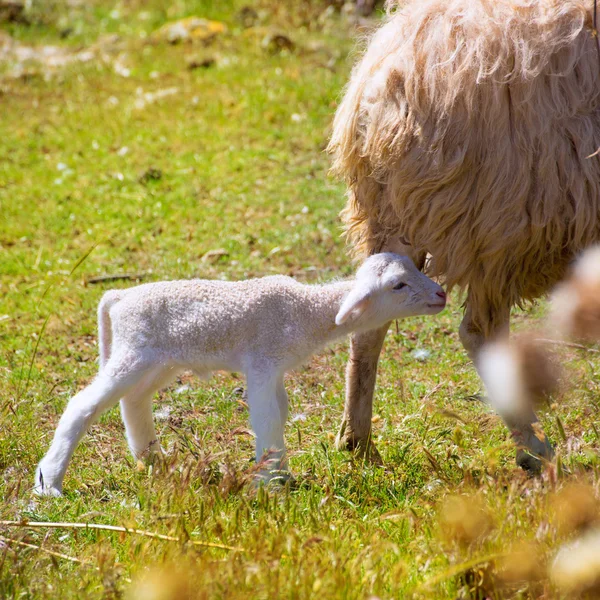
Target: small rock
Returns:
[189, 29]
[177, 33]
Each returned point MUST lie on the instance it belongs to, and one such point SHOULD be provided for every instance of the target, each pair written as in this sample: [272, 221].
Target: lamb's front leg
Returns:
[82, 410]
[267, 416]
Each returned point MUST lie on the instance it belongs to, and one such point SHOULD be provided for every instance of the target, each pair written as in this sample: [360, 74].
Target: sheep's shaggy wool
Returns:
[467, 129]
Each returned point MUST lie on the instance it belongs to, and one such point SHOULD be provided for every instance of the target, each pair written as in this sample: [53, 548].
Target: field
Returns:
[126, 158]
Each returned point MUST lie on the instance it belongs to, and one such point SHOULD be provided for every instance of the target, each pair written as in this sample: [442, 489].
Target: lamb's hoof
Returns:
[279, 479]
[273, 480]
[49, 492]
[43, 488]
[362, 448]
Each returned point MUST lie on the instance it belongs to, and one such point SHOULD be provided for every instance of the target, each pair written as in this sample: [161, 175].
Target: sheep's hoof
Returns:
[529, 463]
[535, 450]
[362, 447]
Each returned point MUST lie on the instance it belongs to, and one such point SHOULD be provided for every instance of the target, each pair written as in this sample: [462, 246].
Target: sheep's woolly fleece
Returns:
[467, 129]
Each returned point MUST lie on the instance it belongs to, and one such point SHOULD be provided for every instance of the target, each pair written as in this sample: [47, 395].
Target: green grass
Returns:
[240, 149]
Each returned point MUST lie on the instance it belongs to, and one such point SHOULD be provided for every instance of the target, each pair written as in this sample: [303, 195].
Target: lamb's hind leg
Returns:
[361, 374]
[266, 416]
[136, 410]
[81, 412]
[533, 445]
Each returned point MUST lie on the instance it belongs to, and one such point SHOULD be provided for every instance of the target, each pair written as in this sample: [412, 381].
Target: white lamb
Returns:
[260, 327]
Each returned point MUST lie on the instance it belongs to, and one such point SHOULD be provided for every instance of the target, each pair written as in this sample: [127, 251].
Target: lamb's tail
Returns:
[109, 299]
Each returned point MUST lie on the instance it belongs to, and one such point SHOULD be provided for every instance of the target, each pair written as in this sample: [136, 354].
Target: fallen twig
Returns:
[567, 344]
[115, 277]
[120, 529]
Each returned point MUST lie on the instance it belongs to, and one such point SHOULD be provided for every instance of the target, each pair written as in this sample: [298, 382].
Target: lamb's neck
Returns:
[327, 301]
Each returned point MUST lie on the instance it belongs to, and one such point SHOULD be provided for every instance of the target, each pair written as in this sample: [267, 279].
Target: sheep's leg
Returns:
[136, 410]
[472, 336]
[361, 375]
[266, 417]
[83, 409]
[533, 445]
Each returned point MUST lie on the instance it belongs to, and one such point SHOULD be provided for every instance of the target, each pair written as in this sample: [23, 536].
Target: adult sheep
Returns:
[466, 132]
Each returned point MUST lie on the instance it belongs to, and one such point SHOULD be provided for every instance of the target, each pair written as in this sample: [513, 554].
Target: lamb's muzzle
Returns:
[261, 327]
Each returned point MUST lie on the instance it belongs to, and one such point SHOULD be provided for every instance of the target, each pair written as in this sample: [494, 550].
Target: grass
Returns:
[225, 176]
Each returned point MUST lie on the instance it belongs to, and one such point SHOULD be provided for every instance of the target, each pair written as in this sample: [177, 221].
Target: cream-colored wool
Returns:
[260, 327]
[467, 129]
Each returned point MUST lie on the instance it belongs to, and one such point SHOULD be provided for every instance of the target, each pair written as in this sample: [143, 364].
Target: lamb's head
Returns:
[387, 287]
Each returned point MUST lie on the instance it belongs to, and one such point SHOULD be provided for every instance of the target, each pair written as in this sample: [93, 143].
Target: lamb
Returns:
[260, 327]
[469, 131]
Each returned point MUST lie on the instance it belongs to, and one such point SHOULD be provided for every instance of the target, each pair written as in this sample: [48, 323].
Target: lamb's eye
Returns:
[399, 286]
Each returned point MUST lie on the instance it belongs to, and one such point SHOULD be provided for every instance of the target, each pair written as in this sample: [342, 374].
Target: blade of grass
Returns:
[34, 354]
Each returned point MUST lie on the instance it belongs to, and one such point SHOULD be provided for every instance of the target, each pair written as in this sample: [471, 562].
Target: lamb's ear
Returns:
[354, 304]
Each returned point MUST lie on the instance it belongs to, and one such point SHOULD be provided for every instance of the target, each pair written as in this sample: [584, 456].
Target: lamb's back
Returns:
[206, 315]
